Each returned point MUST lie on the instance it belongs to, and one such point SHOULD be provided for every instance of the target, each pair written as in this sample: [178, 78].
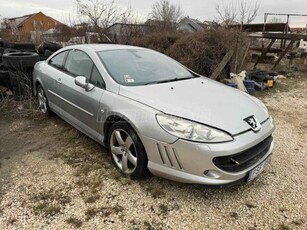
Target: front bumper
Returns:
[191, 162]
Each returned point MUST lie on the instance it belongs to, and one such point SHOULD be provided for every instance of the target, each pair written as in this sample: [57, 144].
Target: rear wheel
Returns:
[127, 150]
[43, 101]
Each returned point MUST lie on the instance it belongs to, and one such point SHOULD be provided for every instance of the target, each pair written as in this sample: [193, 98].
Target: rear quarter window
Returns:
[58, 60]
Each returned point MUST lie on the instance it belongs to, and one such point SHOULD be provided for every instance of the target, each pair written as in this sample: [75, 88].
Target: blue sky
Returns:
[200, 9]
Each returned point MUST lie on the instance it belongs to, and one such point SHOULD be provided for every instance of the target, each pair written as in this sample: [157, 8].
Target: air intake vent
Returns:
[245, 159]
[169, 157]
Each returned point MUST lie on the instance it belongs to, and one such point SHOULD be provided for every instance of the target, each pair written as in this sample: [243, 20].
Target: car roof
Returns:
[102, 47]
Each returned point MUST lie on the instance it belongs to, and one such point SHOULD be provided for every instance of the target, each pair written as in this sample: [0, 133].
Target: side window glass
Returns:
[79, 64]
[58, 60]
[96, 78]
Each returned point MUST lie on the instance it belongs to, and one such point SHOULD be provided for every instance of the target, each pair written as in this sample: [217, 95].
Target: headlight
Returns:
[190, 130]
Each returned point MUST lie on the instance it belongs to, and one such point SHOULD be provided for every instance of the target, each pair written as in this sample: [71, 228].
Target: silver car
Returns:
[154, 114]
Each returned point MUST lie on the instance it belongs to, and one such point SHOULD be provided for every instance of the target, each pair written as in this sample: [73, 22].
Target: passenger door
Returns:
[78, 105]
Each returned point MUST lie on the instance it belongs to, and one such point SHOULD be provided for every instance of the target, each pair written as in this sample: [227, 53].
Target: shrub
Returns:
[203, 51]
[159, 41]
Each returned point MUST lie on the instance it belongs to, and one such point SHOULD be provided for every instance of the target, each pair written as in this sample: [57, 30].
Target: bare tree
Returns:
[248, 11]
[227, 14]
[100, 13]
[237, 11]
[164, 10]
[9, 30]
[129, 27]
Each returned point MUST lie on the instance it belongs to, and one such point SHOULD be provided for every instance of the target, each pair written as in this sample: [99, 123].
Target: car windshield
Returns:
[133, 67]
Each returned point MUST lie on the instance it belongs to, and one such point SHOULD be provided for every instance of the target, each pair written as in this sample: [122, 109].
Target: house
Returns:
[124, 32]
[30, 27]
[119, 29]
[188, 24]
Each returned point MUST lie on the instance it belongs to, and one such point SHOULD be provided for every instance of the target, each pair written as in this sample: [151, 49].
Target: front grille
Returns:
[245, 159]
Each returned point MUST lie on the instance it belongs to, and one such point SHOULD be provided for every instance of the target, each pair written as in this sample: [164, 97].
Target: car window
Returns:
[134, 67]
[96, 78]
[58, 60]
[79, 63]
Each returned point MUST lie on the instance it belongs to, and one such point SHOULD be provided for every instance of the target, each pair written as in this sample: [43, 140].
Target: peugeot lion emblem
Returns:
[252, 121]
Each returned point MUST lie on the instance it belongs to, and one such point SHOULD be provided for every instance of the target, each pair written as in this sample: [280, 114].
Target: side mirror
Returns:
[81, 81]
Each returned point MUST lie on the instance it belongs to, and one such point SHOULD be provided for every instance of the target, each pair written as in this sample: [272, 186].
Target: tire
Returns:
[5, 44]
[48, 53]
[2, 50]
[41, 49]
[42, 57]
[10, 50]
[51, 46]
[127, 151]
[29, 51]
[43, 101]
[19, 92]
[18, 78]
[5, 79]
[20, 60]
[23, 46]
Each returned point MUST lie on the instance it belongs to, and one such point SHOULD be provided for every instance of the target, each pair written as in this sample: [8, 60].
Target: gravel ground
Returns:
[53, 177]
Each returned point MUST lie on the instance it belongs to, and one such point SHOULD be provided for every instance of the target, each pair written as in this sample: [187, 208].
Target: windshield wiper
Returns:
[168, 80]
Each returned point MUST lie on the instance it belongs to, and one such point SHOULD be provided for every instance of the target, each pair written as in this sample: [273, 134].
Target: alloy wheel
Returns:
[123, 151]
[42, 100]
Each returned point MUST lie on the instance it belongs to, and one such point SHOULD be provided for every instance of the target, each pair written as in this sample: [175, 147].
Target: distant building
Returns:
[32, 26]
[188, 24]
[119, 29]
[124, 32]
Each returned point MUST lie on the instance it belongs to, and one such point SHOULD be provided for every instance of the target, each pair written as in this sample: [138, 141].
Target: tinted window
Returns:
[96, 78]
[79, 63]
[58, 60]
[140, 67]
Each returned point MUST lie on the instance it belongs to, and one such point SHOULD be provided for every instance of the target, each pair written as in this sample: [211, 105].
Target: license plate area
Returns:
[258, 169]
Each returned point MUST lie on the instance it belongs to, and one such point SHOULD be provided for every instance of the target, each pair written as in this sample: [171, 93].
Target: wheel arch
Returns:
[36, 84]
[112, 119]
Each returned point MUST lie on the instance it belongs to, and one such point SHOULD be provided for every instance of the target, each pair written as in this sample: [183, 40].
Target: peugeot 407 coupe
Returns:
[154, 114]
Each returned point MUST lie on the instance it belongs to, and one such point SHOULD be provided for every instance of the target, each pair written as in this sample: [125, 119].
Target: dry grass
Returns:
[156, 191]
[46, 209]
[164, 209]
[49, 202]
[284, 85]
[249, 204]
[284, 227]
[298, 222]
[11, 220]
[102, 211]
[74, 222]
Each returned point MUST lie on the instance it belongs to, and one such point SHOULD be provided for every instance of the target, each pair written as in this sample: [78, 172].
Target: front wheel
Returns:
[43, 105]
[127, 150]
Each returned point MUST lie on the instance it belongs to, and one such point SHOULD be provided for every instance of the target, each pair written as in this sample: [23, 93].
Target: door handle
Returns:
[59, 81]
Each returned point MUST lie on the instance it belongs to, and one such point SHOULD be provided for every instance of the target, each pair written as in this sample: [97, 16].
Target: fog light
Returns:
[212, 174]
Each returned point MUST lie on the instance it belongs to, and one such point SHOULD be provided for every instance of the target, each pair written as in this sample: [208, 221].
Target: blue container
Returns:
[250, 86]
[233, 85]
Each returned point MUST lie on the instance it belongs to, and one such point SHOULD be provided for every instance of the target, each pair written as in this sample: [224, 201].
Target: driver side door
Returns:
[79, 106]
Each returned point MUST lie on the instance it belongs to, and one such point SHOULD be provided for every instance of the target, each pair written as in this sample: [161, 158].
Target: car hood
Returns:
[202, 100]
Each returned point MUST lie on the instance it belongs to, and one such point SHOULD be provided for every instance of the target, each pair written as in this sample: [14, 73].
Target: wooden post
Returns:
[283, 53]
[264, 52]
[222, 65]
[244, 57]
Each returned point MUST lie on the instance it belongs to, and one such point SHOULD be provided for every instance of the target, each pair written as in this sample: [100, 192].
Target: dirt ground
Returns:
[53, 177]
